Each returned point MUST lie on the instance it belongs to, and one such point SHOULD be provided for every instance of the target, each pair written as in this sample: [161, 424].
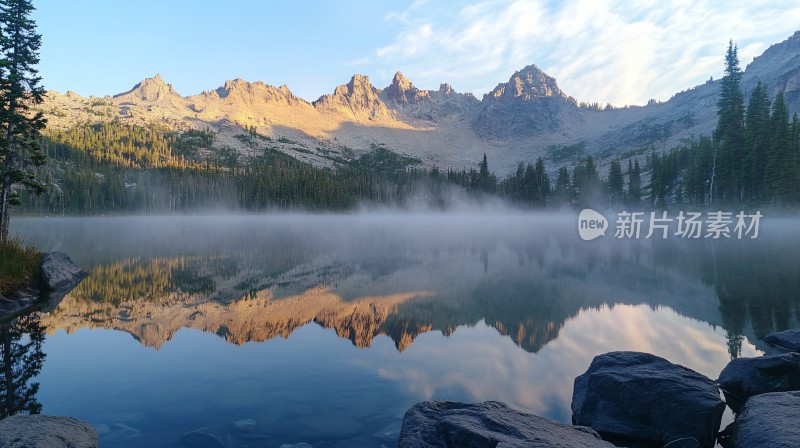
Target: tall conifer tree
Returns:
[729, 134]
[20, 89]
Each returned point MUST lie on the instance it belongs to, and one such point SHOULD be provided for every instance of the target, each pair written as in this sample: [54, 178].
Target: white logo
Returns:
[591, 224]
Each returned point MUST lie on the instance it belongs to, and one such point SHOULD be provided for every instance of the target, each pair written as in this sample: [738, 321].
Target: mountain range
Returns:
[519, 120]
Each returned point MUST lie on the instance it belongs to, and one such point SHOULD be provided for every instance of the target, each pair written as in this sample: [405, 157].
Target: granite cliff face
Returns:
[524, 118]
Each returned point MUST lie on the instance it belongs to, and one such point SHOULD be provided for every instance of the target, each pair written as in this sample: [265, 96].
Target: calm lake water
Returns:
[271, 330]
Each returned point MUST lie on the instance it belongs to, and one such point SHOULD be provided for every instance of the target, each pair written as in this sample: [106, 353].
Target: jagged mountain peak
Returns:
[528, 84]
[358, 98]
[402, 82]
[237, 85]
[530, 103]
[150, 89]
[403, 91]
[361, 85]
[241, 91]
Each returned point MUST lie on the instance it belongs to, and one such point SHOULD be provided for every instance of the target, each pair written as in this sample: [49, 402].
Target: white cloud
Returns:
[598, 50]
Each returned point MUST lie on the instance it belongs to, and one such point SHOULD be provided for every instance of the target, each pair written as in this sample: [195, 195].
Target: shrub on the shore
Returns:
[19, 264]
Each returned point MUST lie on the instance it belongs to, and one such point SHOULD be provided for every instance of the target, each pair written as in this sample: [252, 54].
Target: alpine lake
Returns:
[267, 330]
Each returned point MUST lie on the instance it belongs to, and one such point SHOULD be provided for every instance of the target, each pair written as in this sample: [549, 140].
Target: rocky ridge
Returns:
[519, 120]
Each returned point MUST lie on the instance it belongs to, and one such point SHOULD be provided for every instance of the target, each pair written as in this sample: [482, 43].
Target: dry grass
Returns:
[19, 264]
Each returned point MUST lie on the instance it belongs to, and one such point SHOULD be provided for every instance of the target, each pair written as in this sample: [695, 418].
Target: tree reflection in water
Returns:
[21, 359]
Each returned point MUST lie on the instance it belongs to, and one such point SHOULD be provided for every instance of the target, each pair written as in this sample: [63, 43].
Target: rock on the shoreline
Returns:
[45, 431]
[60, 272]
[743, 378]
[59, 275]
[789, 339]
[768, 420]
[447, 424]
[633, 397]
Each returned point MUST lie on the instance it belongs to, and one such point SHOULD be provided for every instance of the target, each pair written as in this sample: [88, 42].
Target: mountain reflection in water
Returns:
[450, 306]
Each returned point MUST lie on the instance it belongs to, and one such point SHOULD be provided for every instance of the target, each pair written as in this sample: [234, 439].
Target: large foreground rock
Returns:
[789, 339]
[635, 398]
[60, 272]
[768, 420]
[45, 431]
[743, 378]
[59, 276]
[449, 424]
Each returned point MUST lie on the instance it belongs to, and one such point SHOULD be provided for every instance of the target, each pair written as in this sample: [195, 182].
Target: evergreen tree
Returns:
[729, 134]
[616, 182]
[586, 182]
[518, 184]
[782, 157]
[486, 181]
[21, 359]
[700, 160]
[542, 182]
[757, 129]
[562, 192]
[634, 183]
[19, 91]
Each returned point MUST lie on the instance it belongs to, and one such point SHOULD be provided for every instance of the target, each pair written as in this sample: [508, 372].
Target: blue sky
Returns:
[613, 51]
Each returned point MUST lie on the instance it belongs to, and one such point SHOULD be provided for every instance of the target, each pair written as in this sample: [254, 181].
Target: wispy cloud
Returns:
[599, 50]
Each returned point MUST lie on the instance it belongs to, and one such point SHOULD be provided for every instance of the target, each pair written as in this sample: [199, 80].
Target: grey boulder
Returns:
[743, 378]
[768, 420]
[60, 272]
[789, 339]
[45, 431]
[633, 398]
[449, 424]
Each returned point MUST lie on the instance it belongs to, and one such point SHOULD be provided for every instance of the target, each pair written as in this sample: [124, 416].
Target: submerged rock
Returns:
[639, 398]
[789, 339]
[686, 442]
[121, 430]
[60, 272]
[45, 431]
[19, 301]
[245, 425]
[743, 378]
[447, 424]
[768, 420]
[199, 439]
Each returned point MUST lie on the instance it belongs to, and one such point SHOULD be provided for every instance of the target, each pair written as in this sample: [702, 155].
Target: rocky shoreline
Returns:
[59, 276]
[636, 400]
